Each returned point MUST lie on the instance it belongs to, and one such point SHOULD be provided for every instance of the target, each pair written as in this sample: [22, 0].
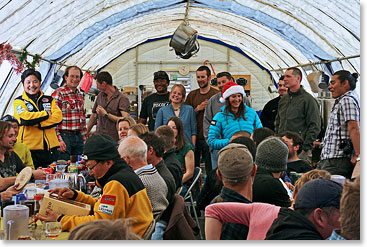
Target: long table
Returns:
[62, 236]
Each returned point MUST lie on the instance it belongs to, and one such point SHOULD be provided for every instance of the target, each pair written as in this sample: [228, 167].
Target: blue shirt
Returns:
[335, 236]
[187, 116]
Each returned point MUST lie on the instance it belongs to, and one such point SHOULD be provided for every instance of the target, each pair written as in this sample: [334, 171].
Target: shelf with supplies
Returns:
[132, 94]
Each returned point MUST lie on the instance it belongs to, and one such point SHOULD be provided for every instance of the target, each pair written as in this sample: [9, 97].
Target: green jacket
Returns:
[299, 112]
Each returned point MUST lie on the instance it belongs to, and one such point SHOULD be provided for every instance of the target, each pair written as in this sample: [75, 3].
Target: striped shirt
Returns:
[73, 113]
[345, 108]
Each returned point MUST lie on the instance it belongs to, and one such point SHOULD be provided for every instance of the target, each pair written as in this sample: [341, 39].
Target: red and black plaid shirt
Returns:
[73, 112]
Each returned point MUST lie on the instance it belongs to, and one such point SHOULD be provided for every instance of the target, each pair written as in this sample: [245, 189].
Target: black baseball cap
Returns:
[319, 193]
[161, 75]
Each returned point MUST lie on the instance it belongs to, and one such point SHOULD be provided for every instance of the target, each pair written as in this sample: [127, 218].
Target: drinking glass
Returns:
[53, 229]
[60, 168]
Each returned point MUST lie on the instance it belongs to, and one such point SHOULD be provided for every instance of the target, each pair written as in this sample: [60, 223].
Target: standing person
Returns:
[270, 110]
[19, 148]
[233, 117]
[184, 112]
[341, 147]
[123, 193]
[198, 99]
[152, 103]
[10, 163]
[72, 132]
[38, 115]
[298, 111]
[109, 106]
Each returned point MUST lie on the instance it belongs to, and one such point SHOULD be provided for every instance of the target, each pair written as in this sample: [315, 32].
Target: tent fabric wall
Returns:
[92, 34]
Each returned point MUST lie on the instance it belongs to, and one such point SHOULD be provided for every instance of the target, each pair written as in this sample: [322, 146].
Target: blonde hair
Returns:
[119, 229]
[139, 128]
[128, 119]
[308, 176]
[350, 210]
[183, 91]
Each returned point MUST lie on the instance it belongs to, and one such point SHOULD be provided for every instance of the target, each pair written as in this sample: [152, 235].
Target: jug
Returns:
[16, 218]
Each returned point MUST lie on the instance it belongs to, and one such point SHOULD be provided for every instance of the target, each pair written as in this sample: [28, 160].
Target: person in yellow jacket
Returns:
[37, 114]
[124, 195]
[19, 148]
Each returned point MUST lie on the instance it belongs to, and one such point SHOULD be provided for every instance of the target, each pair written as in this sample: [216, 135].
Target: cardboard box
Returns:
[63, 206]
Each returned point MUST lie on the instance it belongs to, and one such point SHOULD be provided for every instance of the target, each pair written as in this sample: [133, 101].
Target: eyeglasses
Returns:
[91, 168]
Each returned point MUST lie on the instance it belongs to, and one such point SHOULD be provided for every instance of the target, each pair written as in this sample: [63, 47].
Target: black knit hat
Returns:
[100, 147]
[272, 155]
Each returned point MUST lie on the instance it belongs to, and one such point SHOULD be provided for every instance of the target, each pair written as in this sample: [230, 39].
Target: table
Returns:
[62, 236]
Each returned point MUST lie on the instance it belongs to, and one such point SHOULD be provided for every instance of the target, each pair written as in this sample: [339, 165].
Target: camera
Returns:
[346, 146]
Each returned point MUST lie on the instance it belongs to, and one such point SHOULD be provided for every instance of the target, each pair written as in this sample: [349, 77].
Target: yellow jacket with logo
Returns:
[124, 196]
[36, 128]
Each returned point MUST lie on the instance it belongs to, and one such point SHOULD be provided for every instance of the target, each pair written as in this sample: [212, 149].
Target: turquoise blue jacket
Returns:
[223, 127]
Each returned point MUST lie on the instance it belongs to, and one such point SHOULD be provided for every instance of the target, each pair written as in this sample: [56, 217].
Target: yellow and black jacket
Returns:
[36, 125]
[123, 196]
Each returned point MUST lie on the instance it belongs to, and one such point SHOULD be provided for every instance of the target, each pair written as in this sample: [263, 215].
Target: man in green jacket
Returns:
[299, 111]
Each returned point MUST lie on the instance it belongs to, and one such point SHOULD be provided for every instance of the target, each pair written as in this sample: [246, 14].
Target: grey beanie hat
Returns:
[272, 155]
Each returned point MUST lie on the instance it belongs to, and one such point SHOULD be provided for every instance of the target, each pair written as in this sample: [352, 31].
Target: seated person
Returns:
[295, 143]
[10, 163]
[134, 151]
[19, 148]
[119, 229]
[124, 195]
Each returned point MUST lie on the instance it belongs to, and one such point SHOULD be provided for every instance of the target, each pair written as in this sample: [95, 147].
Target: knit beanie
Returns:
[235, 162]
[100, 147]
[229, 89]
[272, 155]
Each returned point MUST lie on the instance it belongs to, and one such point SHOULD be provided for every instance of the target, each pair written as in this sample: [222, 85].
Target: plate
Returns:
[23, 177]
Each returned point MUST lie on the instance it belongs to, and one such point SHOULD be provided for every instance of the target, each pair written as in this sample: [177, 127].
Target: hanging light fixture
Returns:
[184, 39]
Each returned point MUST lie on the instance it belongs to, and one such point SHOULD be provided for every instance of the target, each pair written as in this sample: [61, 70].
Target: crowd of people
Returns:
[262, 179]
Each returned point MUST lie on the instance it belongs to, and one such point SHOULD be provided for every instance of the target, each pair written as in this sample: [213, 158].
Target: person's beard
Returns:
[203, 85]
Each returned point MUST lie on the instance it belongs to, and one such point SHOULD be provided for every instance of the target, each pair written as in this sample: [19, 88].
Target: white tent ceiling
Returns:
[274, 33]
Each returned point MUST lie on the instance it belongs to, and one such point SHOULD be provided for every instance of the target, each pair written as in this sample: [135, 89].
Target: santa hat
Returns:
[229, 89]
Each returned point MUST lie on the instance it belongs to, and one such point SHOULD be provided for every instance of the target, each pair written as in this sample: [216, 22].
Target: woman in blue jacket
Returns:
[233, 117]
[177, 109]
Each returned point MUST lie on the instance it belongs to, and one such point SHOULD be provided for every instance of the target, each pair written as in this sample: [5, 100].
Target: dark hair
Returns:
[261, 133]
[66, 73]
[10, 118]
[281, 78]
[226, 74]
[346, 75]
[250, 144]
[29, 72]
[295, 137]
[180, 139]
[240, 112]
[104, 76]
[296, 72]
[154, 141]
[167, 135]
[205, 68]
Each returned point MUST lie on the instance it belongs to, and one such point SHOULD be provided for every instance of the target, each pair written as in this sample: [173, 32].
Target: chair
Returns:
[148, 233]
[189, 196]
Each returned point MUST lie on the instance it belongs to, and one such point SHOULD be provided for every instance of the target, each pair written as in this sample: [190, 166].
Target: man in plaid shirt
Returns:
[72, 131]
[341, 145]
